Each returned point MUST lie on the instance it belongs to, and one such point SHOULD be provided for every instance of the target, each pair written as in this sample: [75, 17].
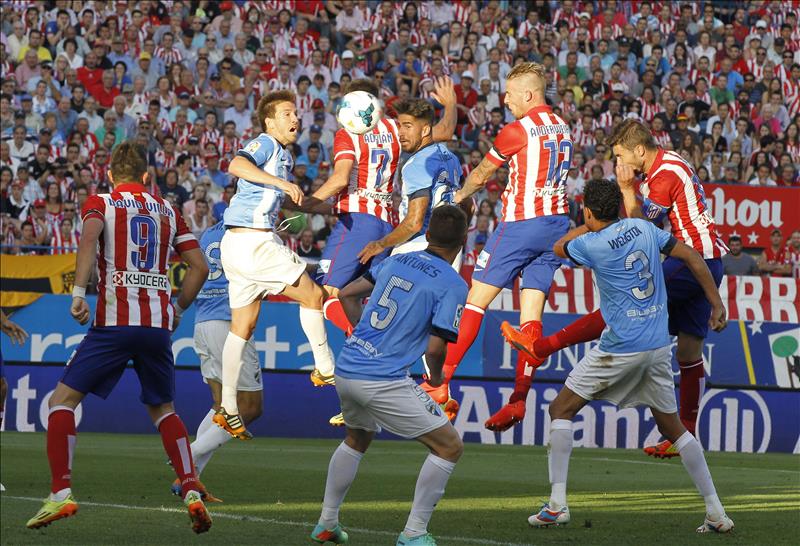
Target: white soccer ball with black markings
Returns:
[359, 112]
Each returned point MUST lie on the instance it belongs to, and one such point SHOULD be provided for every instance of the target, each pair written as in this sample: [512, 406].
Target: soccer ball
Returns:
[359, 112]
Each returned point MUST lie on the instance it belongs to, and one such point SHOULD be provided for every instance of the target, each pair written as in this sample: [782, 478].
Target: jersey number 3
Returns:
[388, 304]
[639, 292]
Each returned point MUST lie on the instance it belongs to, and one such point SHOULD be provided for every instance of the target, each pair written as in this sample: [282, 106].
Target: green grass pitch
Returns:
[273, 490]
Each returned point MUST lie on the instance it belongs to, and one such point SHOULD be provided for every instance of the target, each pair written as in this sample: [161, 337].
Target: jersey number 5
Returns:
[143, 235]
[644, 274]
[388, 304]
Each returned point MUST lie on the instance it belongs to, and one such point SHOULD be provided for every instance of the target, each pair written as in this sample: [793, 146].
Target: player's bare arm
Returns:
[476, 180]
[699, 269]
[351, 296]
[242, 168]
[411, 224]
[192, 282]
[12, 329]
[626, 178]
[87, 254]
[574, 233]
[445, 94]
[434, 358]
[337, 181]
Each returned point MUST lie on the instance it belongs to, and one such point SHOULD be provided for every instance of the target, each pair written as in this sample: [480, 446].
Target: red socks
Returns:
[525, 372]
[176, 444]
[587, 328]
[467, 332]
[692, 381]
[61, 439]
[334, 312]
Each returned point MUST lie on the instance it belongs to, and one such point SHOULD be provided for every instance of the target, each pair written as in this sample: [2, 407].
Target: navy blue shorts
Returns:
[523, 248]
[98, 362]
[689, 310]
[339, 264]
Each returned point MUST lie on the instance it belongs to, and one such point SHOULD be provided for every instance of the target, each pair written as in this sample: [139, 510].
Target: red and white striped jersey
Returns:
[140, 231]
[662, 138]
[276, 84]
[64, 245]
[572, 19]
[649, 111]
[755, 68]
[375, 157]
[164, 160]
[305, 45]
[782, 73]
[605, 120]
[695, 74]
[672, 185]
[169, 56]
[666, 27]
[210, 135]
[538, 149]
[597, 31]
[791, 96]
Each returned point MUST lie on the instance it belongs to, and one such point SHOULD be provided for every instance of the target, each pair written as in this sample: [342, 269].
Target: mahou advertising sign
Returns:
[753, 212]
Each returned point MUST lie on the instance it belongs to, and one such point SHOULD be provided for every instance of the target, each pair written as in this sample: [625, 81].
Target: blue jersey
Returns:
[432, 171]
[212, 301]
[415, 295]
[633, 298]
[258, 205]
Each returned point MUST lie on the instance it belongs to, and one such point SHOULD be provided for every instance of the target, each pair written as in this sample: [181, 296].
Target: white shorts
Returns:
[209, 339]
[399, 406]
[627, 380]
[257, 263]
[421, 243]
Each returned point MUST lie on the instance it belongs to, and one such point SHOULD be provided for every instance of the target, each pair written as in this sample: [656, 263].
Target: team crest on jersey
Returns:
[483, 259]
[252, 147]
[457, 320]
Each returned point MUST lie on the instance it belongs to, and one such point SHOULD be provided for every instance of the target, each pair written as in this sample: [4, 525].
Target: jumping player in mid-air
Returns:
[361, 185]
[632, 364]
[670, 190]
[538, 149]
[254, 258]
[414, 311]
[136, 232]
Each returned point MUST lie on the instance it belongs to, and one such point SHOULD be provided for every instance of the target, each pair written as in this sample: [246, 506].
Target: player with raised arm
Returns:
[254, 258]
[17, 335]
[670, 190]
[212, 322]
[133, 321]
[538, 149]
[414, 311]
[362, 183]
[632, 364]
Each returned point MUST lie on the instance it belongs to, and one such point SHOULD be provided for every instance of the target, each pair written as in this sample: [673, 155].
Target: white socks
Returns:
[429, 490]
[231, 366]
[695, 463]
[209, 438]
[341, 473]
[558, 461]
[313, 324]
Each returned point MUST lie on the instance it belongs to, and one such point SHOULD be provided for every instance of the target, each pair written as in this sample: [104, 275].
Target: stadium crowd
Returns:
[719, 82]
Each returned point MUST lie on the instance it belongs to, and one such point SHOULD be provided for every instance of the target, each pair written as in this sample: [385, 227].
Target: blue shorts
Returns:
[339, 264]
[689, 310]
[522, 249]
[98, 362]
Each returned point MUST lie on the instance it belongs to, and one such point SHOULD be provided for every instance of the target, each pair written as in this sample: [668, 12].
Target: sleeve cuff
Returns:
[667, 248]
[566, 251]
[447, 335]
[250, 158]
[495, 158]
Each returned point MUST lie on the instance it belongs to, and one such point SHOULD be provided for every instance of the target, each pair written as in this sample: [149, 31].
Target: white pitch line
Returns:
[289, 523]
[606, 459]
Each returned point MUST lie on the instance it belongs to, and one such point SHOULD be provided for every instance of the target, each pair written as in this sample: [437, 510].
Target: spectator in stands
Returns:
[737, 262]
[14, 204]
[774, 260]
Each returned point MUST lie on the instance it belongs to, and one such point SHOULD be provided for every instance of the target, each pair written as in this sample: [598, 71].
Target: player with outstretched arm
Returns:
[632, 364]
[414, 311]
[134, 319]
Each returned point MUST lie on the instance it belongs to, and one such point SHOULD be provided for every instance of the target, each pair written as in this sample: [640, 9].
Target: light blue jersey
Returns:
[633, 298]
[433, 171]
[258, 205]
[415, 295]
[212, 301]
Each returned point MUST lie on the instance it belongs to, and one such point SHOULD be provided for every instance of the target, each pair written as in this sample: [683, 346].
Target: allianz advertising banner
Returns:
[729, 420]
[747, 353]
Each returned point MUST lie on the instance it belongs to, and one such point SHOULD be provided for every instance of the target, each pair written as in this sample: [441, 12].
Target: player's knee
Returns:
[558, 410]
[314, 298]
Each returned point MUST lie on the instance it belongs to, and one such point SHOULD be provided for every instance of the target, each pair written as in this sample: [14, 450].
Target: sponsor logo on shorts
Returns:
[430, 405]
[139, 279]
[483, 259]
